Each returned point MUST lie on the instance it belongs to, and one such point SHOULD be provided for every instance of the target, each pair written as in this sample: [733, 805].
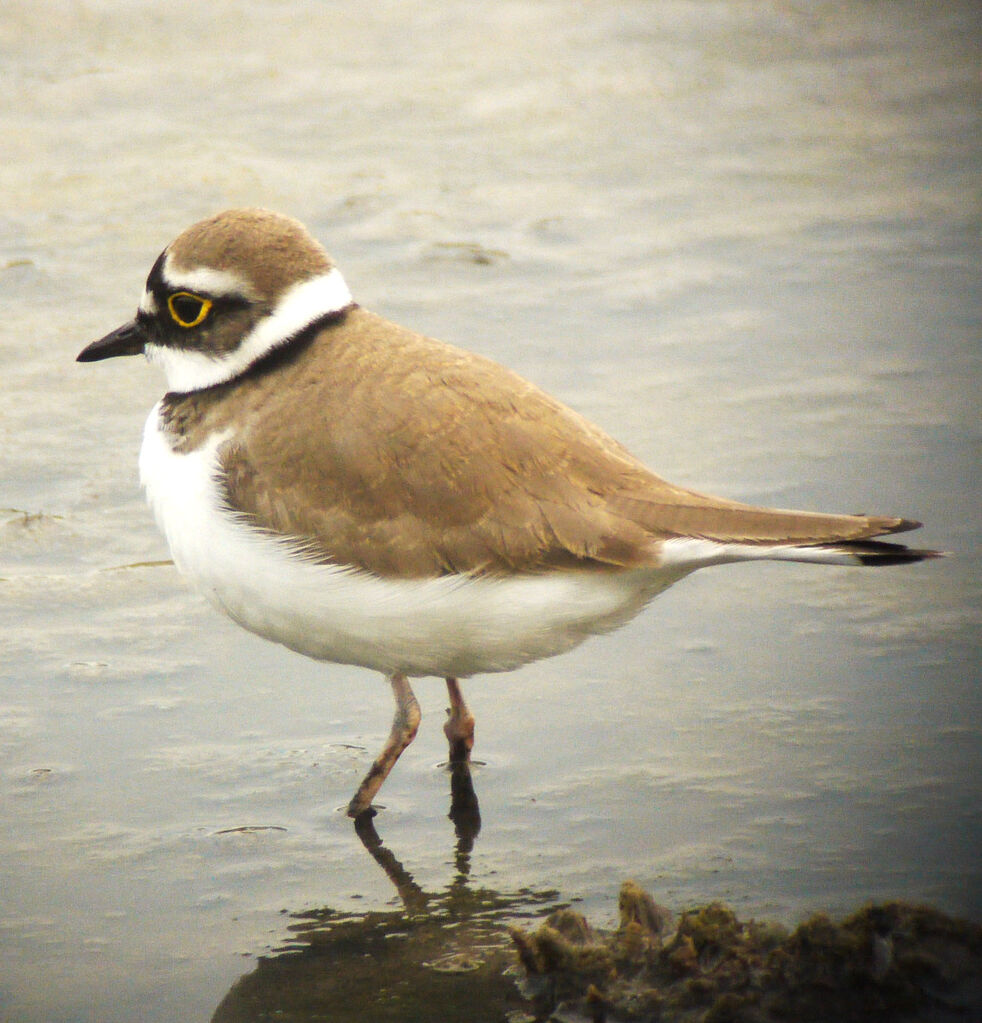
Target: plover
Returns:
[366, 495]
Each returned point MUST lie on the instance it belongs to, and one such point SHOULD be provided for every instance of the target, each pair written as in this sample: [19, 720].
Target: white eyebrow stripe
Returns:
[148, 304]
[206, 279]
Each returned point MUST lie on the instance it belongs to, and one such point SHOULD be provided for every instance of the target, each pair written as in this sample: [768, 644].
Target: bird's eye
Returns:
[188, 310]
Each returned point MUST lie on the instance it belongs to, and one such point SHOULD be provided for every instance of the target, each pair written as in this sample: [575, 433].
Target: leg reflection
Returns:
[413, 897]
[466, 816]
[464, 809]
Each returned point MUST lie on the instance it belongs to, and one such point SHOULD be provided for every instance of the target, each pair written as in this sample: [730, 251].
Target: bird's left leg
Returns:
[459, 726]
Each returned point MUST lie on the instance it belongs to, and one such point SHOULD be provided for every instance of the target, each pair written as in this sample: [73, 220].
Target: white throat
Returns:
[299, 307]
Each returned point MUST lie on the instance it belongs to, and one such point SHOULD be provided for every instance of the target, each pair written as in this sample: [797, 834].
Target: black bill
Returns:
[126, 340]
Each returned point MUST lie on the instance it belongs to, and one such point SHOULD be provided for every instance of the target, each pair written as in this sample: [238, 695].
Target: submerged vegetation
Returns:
[884, 963]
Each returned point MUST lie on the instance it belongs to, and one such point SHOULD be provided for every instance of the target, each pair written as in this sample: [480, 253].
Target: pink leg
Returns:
[404, 726]
[459, 726]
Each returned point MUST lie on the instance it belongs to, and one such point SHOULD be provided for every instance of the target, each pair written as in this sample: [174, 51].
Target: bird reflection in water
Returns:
[445, 952]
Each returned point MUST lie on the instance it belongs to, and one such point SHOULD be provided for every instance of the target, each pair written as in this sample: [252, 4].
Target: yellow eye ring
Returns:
[188, 310]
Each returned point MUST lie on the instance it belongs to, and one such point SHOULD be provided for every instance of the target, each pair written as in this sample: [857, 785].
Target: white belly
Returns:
[447, 626]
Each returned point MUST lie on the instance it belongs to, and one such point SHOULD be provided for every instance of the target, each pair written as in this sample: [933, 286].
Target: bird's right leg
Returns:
[404, 726]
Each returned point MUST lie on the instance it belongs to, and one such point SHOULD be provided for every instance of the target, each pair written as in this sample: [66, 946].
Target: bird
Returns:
[366, 495]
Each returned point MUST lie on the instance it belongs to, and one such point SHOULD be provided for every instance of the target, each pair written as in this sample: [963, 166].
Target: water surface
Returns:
[743, 238]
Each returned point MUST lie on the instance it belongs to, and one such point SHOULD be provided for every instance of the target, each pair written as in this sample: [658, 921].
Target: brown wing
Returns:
[420, 459]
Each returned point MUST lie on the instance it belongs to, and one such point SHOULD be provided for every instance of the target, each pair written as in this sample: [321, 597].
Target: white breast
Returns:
[447, 626]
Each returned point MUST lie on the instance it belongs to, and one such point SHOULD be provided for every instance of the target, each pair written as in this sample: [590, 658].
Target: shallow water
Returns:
[743, 238]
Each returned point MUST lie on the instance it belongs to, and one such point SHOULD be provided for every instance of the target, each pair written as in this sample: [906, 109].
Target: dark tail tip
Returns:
[875, 552]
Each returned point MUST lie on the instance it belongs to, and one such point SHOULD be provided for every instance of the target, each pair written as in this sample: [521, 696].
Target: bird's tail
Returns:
[870, 553]
[829, 542]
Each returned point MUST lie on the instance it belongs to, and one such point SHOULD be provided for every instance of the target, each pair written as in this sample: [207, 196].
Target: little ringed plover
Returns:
[366, 495]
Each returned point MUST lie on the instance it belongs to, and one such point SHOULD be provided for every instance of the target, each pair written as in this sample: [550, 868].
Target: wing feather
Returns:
[419, 459]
